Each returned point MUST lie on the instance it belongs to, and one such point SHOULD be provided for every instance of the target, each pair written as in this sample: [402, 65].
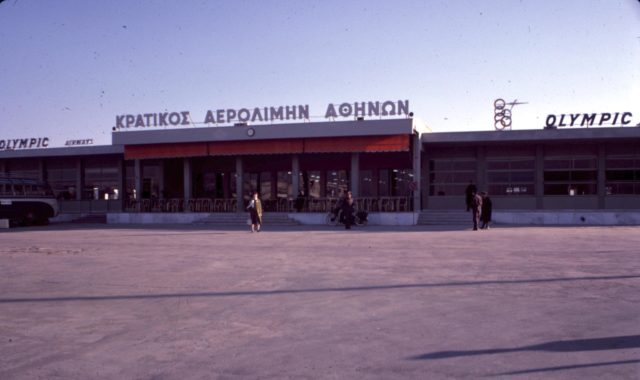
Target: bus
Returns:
[26, 201]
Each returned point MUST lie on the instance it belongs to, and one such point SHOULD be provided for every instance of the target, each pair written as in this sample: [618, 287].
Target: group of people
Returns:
[478, 203]
[480, 206]
[345, 210]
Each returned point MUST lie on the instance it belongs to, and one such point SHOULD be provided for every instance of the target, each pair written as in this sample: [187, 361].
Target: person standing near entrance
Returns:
[337, 211]
[476, 209]
[255, 212]
[348, 210]
[469, 192]
[487, 207]
[300, 201]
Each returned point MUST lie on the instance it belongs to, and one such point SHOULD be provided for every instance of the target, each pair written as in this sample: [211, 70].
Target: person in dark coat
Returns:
[348, 210]
[299, 203]
[476, 209]
[337, 210]
[255, 212]
[487, 207]
[469, 192]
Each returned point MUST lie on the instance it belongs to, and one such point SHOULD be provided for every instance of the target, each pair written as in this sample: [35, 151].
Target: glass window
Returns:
[497, 165]
[511, 176]
[310, 183]
[523, 176]
[572, 189]
[130, 180]
[522, 164]
[18, 189]
[621, 163]
[570, 176]
[526, 189]
[264, 186]
[587, 175]
[464, 165]
[447, 189]
[249, 184]
[438, 165]
[383, 183]
[232, 185]
[101, 178]
[209, 184]
[557, 164]
[366, 183]
[557, 176]
[622, 175]
[401, 182]
[337, 183]
[152, 172]
[582, 163]
[284, 185]
[24, 168]
[497, 177]
[61, 175]
[441, 177]
[449, 177]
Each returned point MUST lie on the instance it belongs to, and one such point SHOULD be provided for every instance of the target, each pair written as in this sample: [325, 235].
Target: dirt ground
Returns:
[184, 302]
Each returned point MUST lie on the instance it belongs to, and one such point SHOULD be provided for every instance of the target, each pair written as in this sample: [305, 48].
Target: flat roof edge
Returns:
[530, 135]
[63, 151]
[265, 132]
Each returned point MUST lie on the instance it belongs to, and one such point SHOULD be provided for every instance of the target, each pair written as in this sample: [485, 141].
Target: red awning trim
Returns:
[132, 152]
[235, 148]
[394, 143]
[365, 144]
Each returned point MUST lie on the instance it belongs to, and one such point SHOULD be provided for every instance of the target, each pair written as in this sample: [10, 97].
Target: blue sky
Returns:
[69, 67]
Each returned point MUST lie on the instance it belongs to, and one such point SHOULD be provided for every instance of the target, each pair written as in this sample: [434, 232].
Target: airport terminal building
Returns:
[392, 165]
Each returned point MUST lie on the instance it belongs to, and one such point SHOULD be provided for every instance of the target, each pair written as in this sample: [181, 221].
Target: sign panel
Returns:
[79, 142]
[263, 114]
[588, 119]
[26, 143]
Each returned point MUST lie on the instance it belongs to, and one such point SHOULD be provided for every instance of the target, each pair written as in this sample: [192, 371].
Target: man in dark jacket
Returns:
[348, 209]
[299, 203]
[487, 207]
[476, 209]
[469, 192]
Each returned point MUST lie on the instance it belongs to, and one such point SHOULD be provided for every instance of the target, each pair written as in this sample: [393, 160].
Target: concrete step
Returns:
[91, 219]
[444, 217]
[241, 219]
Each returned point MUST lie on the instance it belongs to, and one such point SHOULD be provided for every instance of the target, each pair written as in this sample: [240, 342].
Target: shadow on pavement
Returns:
[328, 290]
[565, 367]
[595, 344]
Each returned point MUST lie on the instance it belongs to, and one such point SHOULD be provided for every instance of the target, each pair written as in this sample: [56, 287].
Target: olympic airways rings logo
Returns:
[501, 115]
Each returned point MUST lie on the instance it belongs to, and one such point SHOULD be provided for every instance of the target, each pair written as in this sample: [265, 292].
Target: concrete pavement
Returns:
[184, 302]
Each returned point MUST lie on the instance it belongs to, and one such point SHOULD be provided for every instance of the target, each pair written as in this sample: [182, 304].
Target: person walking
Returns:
[300, 201]
[255, 212]
[348, 210]
[469, 192]
[487, 207]
[476, 209]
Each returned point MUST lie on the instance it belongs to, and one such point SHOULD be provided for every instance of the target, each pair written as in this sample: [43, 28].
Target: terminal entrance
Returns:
[383, 182]
[222, 175]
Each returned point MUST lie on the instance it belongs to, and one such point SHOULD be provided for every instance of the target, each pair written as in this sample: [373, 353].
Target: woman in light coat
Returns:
[255, 212]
